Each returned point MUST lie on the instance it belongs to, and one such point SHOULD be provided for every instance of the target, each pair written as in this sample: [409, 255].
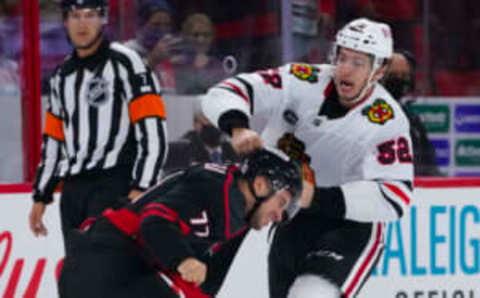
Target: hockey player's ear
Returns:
[379, 73]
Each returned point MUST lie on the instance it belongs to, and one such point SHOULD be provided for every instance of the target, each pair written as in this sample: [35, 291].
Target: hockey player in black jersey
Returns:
[180, 237]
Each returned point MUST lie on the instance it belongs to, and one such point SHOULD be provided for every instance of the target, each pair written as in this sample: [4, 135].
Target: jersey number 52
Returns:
[394, 150]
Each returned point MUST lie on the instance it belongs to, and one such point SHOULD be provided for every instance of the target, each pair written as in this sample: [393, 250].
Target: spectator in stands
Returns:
[11, 28]
[198, 69]
[54, 45]
[10, 125]
[155, 40]
[400, 82]
[205, 143]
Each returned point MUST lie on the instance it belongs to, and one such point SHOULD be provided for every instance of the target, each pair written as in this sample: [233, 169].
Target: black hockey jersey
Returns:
[192, 213]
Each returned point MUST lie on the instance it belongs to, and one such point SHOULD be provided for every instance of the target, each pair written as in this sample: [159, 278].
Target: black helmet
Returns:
[279, 169]
[101, 5]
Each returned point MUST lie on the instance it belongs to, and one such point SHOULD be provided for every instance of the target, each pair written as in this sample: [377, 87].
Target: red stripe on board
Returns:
[426, 182]
[7, 236]
[34, 283]
[398, 192]
[16, 188]
[429, 182]
[58, 269]
[367, 261]
[14, 278]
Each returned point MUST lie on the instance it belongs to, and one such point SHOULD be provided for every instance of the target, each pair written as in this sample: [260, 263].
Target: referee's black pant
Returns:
[88, 194]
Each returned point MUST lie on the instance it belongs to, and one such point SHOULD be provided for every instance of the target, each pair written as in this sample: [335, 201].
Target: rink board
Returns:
[432, 252]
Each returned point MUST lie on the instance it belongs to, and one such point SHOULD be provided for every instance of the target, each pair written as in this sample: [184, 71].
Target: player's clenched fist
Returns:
[193, 270]
[245, 140]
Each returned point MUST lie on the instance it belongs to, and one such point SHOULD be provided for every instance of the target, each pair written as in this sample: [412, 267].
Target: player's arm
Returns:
[364, 201]
[231, 103]
[164, 235]
[148, 118]
[387, 193]
[46, 178]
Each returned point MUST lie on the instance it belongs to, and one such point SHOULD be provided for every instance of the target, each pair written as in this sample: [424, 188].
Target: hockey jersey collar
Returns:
[234, 206]
[332, 107]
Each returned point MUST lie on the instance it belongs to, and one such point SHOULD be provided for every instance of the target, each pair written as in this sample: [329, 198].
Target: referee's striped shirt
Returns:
[104, 110]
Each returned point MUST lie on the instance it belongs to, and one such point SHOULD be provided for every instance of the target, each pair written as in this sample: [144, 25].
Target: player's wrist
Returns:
[45, 199]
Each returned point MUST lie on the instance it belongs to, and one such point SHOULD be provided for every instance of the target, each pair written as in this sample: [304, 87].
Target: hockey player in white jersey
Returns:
[338, 119]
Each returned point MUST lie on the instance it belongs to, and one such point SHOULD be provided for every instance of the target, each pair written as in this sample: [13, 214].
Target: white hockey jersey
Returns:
[366, 151]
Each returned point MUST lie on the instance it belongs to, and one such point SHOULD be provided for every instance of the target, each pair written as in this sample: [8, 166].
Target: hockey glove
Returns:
[293, 147]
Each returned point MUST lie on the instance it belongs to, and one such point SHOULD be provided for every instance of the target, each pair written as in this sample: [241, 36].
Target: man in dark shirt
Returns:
[205, 143]
[180, 237]
[400, 82]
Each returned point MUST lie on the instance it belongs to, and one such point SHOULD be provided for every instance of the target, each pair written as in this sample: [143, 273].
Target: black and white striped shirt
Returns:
[104, 110]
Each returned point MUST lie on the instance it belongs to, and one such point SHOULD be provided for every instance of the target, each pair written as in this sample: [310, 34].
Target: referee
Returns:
[105, 132]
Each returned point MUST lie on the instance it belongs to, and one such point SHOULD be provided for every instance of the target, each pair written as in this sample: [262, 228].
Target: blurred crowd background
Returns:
[192, 44]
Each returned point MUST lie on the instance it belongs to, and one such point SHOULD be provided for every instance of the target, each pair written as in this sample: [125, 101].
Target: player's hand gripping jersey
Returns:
[362, 156]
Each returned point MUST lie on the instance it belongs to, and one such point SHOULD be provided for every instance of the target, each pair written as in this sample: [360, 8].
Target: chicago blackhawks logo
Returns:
[305, 72]
[379, 113]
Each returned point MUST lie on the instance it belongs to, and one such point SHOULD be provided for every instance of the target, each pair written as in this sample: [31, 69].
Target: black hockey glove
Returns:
[293, 147]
